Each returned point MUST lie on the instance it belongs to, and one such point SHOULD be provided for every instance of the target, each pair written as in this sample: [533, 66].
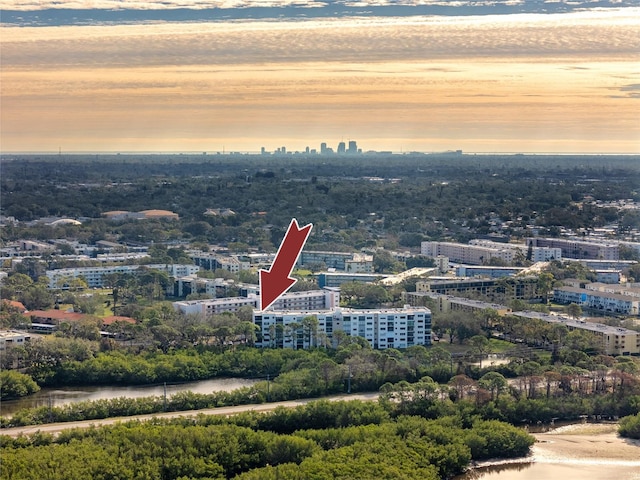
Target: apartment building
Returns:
[342, 261]
[480, 252]
[598, 300]
[628, 290]
[324, 299]
[360, 263]
[510, 252]
[335, 279]
[212, 261]
[94, 276]
[614, 340]
[516, 287]
[578, 249]
[605, 264]
[382, 328]
[212, 287]
[486, 271]
[449, 303]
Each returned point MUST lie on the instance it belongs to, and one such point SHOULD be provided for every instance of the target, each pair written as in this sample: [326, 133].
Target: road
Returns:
[263, 407]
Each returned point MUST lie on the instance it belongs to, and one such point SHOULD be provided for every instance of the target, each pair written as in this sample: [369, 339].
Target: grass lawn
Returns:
[499, 346]
[302, 272]
[496, 346]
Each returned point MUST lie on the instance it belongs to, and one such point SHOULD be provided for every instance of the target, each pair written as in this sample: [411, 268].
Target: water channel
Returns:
[580, 451]
[62, 396]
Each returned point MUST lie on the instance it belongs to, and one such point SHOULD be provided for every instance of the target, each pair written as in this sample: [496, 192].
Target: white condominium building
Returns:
[382, 328]
[479, 252]
[94, 275]
[324, 299]
[598, 300]
[579, 249]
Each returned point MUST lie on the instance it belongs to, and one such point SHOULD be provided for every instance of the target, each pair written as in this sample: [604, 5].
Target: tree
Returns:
[166, 336]
[574, 310]
[14, 384]
[545, 285]
[630, 426]
[489, 317]
[494, 382]
[310, 329]
[458, 325]
[248, 331]
[462, 385]
[530, 372]
[480, 346]
[383, 262]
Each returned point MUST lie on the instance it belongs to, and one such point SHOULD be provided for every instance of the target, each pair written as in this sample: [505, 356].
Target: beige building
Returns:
[449, 303]
[614, 340]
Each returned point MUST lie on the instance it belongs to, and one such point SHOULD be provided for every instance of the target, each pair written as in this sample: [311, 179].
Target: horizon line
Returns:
[299, 153]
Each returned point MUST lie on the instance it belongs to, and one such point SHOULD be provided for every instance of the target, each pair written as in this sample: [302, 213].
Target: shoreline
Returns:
[577, 444]
[586, 443]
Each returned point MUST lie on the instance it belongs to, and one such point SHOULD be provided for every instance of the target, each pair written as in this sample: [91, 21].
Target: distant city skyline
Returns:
[500, 83]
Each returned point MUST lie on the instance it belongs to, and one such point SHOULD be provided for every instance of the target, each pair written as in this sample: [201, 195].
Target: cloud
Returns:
[461, 81]
[600, 34]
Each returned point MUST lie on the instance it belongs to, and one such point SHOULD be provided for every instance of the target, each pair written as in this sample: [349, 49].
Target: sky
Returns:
[238, 75]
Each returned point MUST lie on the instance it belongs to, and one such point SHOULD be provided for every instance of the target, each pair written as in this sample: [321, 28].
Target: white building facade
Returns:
[598, 300]
[324, 299]
[382, 328]
[479, 252]
[94, 276]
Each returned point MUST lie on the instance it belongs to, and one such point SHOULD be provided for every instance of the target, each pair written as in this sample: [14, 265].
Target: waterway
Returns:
[62, 396]
[584, 452]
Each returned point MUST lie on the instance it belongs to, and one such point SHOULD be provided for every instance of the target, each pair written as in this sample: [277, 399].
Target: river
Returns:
[62, 396]
[583, 451]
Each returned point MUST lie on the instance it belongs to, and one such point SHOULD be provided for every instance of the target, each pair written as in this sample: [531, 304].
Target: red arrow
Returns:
[276, 281]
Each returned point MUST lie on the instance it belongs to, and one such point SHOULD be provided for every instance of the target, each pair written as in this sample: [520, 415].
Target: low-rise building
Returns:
[608, 276]
[598, 300]
[214, 261]
[53, 316]
[324, 299]
[480, 252]
[94, 276]
[629, 290]
[9, 338]
[614, 340]
[335, 279]
[449, 303]
[517, 287]
[360, 263]
[579, 249]
[486, 271]
[335, 260]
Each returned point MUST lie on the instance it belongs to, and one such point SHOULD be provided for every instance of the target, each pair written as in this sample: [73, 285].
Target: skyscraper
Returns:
[342, 147]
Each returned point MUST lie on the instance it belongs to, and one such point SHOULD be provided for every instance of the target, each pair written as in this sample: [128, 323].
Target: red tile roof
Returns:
[55, 316]
[18, 305]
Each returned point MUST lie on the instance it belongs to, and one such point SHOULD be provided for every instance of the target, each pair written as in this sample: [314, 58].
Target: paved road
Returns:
[264, 407]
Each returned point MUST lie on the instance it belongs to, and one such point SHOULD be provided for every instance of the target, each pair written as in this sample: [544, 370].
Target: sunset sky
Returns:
[499, 82]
